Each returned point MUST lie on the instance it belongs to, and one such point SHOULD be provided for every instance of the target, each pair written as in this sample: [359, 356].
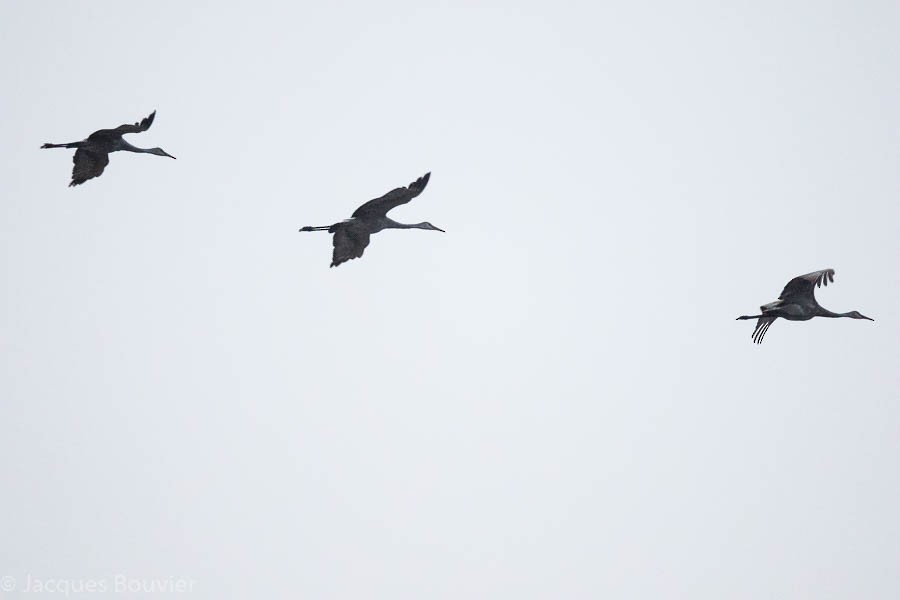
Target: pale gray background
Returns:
[551, 400]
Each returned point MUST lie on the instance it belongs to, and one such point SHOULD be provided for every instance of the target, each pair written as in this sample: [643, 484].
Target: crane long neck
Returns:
[824, 312]
[126, 146]
[392, 224]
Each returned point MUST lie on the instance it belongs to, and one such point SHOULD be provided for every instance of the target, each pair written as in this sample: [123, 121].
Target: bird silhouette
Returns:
[92, 154]
[352, 236]
[797, 302]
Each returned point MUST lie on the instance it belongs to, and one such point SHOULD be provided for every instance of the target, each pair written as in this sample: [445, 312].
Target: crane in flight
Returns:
[352, 236]
[92, 154]
[797, 302]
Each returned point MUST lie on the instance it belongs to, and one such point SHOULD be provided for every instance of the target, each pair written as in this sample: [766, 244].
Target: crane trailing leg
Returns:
[69, 145]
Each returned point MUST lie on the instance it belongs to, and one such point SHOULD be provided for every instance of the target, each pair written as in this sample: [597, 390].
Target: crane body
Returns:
[797, 302]
[350, 237]
[92, 153]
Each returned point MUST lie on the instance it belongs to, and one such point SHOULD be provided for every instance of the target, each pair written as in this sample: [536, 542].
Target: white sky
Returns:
[551, 400]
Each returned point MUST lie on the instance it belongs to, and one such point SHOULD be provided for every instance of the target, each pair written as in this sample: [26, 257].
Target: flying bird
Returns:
[92, 154]
[797, 302]
[352, 236]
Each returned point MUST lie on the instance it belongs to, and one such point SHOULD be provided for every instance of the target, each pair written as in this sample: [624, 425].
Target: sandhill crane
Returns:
[797, 302]
[352, 236]
[92, 154]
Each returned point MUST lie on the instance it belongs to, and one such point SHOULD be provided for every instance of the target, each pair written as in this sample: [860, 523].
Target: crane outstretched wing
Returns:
[88, 165]
[804, 285]
[394, 198]
[144, 125]
[349, 243]
[762, 326]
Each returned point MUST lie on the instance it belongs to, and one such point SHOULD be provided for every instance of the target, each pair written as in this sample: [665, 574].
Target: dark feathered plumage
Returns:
[92, 154]
[352, 236]
[797, 302]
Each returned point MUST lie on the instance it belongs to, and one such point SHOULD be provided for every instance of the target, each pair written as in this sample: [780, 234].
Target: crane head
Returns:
[856, 315]
[427, 225]
[160, 152]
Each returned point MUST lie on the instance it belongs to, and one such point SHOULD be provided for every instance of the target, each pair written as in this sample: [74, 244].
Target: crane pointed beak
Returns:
[867, 318]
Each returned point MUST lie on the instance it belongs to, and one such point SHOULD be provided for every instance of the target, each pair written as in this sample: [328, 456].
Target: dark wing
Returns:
[144, 125]
[349, 243]
[804, 285]
[394, 198]
[762, 326]
[88, 164]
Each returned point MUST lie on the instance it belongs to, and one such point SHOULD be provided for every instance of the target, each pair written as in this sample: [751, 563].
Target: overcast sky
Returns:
[552, 399]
